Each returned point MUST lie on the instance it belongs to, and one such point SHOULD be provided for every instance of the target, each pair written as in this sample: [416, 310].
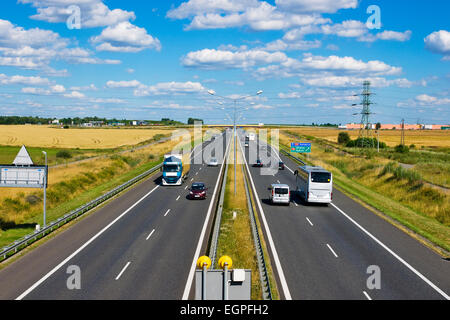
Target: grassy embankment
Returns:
[235, 238]
[379, 181]
[71, 186]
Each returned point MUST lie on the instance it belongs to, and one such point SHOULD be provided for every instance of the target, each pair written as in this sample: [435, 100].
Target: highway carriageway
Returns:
[325, 251]
[141, 245]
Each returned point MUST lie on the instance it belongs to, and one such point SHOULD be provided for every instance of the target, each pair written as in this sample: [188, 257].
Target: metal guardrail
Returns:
[20, 244]
[295, 158]
[263, 272]
[218, 219]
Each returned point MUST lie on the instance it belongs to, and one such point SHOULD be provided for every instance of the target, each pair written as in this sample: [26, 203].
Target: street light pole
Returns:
[213, 93]
[235, 133]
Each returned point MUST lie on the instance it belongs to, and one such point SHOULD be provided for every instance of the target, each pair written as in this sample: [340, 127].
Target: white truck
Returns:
[174, 171]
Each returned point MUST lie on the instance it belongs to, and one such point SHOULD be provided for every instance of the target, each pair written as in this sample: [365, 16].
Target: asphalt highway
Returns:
[141, 245]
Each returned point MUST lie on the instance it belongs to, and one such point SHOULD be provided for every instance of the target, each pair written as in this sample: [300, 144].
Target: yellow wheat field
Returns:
[427, 138]
[52, 137]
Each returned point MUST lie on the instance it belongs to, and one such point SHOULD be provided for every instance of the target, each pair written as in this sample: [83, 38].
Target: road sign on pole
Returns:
[299, 147]
[24, 174]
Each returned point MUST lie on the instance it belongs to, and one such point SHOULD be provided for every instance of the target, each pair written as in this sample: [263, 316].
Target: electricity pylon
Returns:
[365, 136]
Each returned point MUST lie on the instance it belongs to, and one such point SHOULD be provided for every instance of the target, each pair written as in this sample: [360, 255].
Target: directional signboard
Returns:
[23, 173]
[22, 177]
[299, 147]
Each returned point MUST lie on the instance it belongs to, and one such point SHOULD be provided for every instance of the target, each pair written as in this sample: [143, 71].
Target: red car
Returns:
[258, 164]
[197, 191]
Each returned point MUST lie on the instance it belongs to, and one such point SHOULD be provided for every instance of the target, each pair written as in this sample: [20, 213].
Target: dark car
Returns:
[258, 164]
[281, 165]
[197, 191]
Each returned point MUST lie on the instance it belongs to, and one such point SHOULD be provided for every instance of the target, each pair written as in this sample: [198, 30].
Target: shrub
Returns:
[343, 138]
[401, 148]
[365, 143]
[64, 154]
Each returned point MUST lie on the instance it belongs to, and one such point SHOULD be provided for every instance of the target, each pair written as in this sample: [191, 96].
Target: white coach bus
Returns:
[315, 184]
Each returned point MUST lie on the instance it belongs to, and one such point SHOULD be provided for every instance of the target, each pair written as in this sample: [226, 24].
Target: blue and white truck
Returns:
[174, 172]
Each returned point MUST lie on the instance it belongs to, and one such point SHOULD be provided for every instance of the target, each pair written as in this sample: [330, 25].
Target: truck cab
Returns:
[172, 170]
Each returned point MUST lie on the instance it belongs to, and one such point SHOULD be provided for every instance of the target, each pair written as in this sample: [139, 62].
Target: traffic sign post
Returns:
[24, 174]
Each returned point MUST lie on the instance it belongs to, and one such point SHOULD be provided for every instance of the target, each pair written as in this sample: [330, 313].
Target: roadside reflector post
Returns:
[223, 283]
[204, 263]
[225, 262]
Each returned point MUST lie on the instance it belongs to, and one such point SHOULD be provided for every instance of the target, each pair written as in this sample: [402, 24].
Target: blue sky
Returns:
[153, 59]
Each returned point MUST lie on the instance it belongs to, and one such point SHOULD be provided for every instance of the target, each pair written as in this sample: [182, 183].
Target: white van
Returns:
[314, 184]
[280, 194]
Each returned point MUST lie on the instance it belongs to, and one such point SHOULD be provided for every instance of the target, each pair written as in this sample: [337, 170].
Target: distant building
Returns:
[56, 121]
[357, 126]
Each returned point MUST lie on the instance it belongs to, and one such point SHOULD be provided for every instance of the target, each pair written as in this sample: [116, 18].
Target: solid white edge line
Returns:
[278, 156]
[283, 281]
[51, 272]
[367, 295]
[331, 249]
[187, 288]
[123, 270]
[150, 234]
[421, 276]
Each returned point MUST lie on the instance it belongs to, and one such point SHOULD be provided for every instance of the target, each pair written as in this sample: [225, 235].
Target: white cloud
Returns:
[425, 99]
[37, 48]
[258, 15]
[23, 80]
[347, 29]
[439, 42]
[165, 88]
[75, 95]
[125, 37]
[281, 45]
[334, 70]
[322, 6]
[352, 81]
[290, 95]
[221, 59]
[195, 7]
[393, 35]
[123, 84]
[94, 13]
[58, 88]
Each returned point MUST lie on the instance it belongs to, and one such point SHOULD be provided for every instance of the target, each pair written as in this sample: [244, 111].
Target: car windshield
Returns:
[171, 168]
[198, 187]
[321, 177]
[281, 191]
[213, 160]
[281, 163]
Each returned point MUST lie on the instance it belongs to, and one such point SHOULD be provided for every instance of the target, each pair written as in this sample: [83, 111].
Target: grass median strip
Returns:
[235, 237]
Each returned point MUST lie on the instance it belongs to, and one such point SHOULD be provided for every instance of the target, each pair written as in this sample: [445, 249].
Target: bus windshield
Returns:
[321, 177]
[171, 168]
